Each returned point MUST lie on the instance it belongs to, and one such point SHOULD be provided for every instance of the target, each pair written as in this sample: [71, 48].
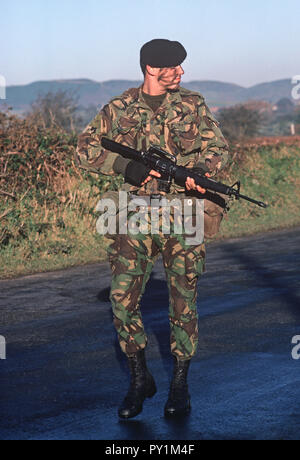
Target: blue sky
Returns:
[238, 41]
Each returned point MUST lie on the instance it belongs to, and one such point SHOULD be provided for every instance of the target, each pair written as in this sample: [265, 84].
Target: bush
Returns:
[239, 123]
[47, 204]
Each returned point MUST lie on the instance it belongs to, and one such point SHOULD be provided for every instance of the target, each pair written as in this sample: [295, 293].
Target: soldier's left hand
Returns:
[191, 185]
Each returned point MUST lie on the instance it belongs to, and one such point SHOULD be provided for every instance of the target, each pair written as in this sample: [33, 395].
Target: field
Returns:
[47, 207]
[275, 140]
[269, 171]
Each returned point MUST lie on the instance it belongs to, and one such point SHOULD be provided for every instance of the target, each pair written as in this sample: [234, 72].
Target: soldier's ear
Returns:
[154, 71]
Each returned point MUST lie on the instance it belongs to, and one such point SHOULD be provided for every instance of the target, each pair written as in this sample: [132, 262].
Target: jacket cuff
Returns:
[136, 173]
[120, 165]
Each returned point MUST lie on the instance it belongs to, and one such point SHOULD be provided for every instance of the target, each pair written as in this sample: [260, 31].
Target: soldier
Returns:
[160, 113]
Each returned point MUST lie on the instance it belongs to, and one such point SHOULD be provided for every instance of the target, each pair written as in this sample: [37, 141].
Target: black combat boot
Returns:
[142, 386]
[179, 402]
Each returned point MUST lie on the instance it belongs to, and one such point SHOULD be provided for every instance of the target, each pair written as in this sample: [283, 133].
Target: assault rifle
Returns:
[166, 164]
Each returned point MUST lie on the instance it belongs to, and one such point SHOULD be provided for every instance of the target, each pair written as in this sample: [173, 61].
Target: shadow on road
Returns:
[267, 274]
[283, 282]
[154, 308]
[179, 428]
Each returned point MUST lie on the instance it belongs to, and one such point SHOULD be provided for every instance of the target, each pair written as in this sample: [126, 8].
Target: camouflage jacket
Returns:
[182, 125]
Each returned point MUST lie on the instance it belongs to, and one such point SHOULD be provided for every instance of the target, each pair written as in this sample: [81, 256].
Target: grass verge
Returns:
[46, 230]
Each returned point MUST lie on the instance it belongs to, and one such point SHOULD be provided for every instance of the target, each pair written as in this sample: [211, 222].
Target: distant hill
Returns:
[89, 92]
[225, 94]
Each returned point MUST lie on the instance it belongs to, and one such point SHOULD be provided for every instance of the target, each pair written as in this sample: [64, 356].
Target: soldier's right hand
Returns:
[152, 174]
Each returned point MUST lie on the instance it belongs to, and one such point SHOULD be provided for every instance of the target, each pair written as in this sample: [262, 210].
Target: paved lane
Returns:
[64, 375]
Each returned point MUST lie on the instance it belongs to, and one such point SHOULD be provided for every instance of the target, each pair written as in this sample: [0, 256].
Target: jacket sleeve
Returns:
[214, 149]
[90, 155]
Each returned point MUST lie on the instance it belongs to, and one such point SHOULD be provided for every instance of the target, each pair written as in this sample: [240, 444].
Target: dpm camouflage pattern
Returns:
[132, 258]
[182, 125]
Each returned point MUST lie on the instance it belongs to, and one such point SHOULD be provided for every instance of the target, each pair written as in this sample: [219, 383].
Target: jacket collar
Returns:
[171, 98]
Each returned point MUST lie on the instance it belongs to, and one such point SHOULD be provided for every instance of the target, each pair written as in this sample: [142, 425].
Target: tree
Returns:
[285, 106]
[239, 122]
[297, 115]
[55, 109]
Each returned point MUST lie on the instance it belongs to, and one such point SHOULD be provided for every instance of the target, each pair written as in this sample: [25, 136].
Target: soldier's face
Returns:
[170, 77]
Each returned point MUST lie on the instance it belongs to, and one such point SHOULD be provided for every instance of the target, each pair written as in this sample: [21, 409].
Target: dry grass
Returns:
[47, 205]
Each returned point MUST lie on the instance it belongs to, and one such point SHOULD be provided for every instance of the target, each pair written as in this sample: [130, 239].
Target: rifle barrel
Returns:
[259, 203]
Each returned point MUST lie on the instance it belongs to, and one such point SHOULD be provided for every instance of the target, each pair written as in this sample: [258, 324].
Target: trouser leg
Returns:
[183, 265]
[132, 260]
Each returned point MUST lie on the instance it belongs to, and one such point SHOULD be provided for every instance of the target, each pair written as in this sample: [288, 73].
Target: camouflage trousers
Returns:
[132, 258]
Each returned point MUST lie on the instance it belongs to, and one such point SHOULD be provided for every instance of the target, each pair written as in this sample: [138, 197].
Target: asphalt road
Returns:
[64, 375]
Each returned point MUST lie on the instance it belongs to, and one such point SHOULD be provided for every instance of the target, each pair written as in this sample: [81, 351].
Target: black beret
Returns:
[162, 53]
